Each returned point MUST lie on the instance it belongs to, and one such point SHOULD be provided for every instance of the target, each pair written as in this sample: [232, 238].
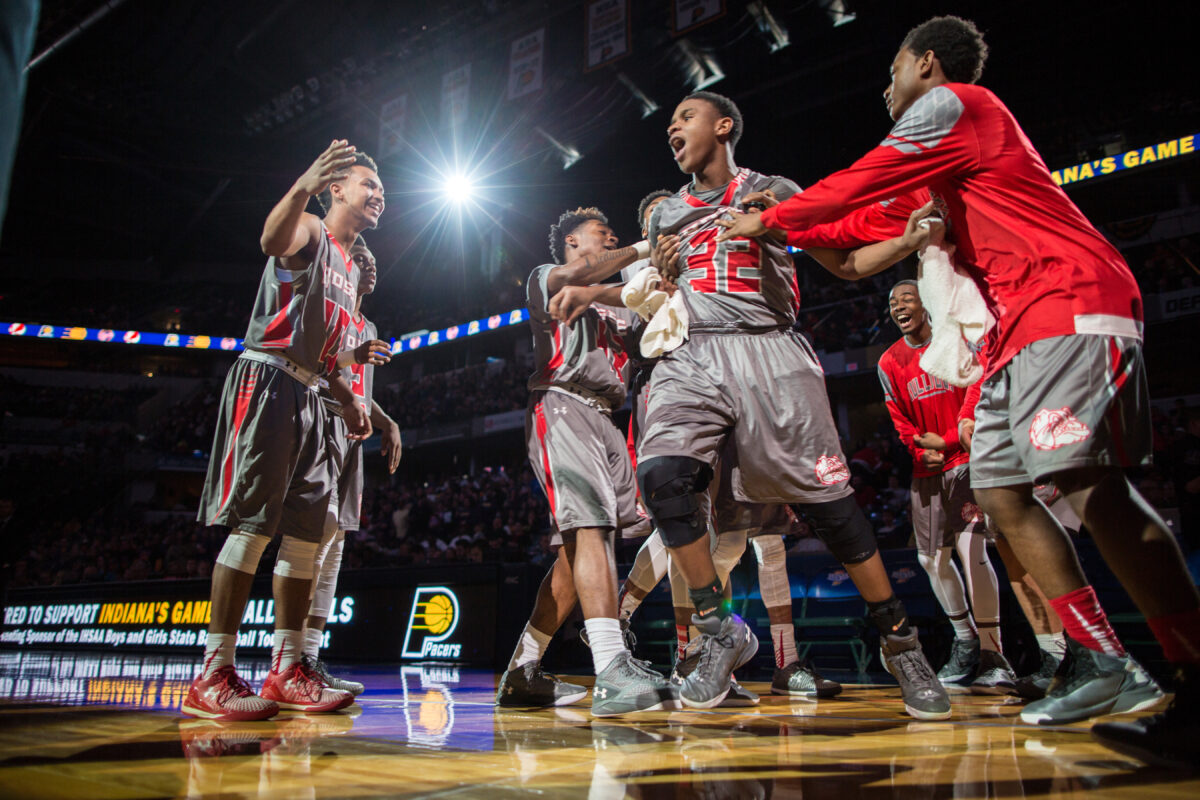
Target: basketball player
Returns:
[744, 378]
[1064, 395]
[268, 470]
[926, 412]
[582, 461]
[364, 351]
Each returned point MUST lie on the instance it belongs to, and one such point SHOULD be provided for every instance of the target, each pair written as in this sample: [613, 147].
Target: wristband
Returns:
[642, 249]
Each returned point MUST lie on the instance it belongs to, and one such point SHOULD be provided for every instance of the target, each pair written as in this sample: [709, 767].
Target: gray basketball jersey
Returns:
[360, 377]
[746, 281]
[304, 314]
[589, 354]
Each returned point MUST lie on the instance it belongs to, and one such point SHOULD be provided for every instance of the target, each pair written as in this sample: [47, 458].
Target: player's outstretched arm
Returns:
[288, 229]
[391, 446]
[589, 269]
[570, 303]
[863, 262]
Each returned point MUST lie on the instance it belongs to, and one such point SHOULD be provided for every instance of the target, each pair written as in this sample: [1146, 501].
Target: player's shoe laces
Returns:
[225, 696]
[1034, 685]
[527, 686]
[724, 646]
[924, 696]
[318, 666]
[1088, 684]
[627, 685]
[300, 688]
[995, 675]
[1168, 739]
[963, 661]
[801, 679]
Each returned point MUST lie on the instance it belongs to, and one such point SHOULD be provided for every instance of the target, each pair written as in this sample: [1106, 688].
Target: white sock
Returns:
[531, 646]
[964, 627]
[629, 604]
[783, 639]
[312, 641]
[604, 634]
[1053, 643]
[289, 645]
[219, 649]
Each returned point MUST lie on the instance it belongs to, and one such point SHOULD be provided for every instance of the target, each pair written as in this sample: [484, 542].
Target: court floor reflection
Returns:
[108, 726]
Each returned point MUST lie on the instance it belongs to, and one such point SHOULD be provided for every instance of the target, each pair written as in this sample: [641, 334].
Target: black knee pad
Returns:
[843, 528]
[669, 487]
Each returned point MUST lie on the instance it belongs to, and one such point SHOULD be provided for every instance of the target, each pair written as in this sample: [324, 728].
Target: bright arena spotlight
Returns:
[459, 187]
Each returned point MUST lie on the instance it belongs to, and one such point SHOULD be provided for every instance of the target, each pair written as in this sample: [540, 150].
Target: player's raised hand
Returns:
[665, 257]
[746, 225]
[923, 226]
[570, 303]
[374, 352]
[391, 446]
[930, 441]
[330, 166]
[358, 422]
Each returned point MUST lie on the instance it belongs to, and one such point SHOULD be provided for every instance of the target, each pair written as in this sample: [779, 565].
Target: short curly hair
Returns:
[646, 201]
[956, 42]
[726, 108]
[567, 224]
[325, 198]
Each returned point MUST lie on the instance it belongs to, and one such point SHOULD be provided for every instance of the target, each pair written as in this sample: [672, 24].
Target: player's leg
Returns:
[649, 567]
[1047, 627]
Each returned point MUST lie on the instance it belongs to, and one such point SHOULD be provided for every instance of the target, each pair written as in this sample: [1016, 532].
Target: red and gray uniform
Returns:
[743, 374]
[361, 378]
[269, 467]
[942, 502]
[576, 451]
[1065, 301]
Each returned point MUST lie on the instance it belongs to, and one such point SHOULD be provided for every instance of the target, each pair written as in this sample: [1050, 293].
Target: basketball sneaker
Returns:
[924, 696]
[685, 666]
[1088, 684]
[1168, 739]
[724, 646]
[527, 686]
[995, 675]
[318, 666]
[739, 696]
[801, 679]
[300, 688]
[627, 685]
[963, 661]
[1033, 686]
[225, 695]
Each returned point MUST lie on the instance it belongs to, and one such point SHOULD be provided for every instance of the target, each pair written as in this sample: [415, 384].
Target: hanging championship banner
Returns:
[607, 36]
[456, 89]
[688, 14]
[391, 126]
[525, 64]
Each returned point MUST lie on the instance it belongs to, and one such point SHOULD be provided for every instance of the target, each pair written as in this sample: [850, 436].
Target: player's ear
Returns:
[925, 63]
[724, 126]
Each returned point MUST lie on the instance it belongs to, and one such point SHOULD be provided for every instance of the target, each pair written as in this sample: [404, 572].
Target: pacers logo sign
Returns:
[433, 620]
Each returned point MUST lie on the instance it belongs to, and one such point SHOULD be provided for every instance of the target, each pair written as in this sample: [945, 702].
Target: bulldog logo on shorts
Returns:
[1055, 428]
[831, 470]
[972, 513]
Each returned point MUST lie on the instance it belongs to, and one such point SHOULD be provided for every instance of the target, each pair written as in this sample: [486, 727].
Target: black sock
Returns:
[890, 617]
[710, 601]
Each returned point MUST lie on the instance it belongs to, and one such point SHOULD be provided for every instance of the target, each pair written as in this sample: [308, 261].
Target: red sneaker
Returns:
[224, 695]
[299, 688]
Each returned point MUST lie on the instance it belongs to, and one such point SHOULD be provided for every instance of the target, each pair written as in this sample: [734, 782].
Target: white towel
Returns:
[960, 316]
[668, 316]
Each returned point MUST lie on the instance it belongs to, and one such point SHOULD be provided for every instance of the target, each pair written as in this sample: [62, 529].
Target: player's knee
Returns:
[769, 549]
[843, 528]
[669, 487]
[297, 558]
[242, 551]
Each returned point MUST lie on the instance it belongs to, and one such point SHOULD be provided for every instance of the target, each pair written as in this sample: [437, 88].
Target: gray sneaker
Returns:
[318, 666]
[924, 697]
[1089, 684]
[739, 696]
[627, 685]
[527, 686]
[963, 661]
[801, 679]
[725, 645]
[685, 667]
[995, 675]
[1034, 685]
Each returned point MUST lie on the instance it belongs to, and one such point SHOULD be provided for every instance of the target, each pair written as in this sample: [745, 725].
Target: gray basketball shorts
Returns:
[735, 517]
[1062, 403]
[349, 477]
[582, 462]
[269, 470]
[765, 394]
[943, 507]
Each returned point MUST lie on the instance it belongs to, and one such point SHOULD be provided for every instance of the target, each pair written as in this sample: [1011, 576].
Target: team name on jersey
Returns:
[340, 281]
[925, 385]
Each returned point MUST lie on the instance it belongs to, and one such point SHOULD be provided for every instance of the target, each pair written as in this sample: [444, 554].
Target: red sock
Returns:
[1086, 621]
[1179, 635]
[681, 641]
